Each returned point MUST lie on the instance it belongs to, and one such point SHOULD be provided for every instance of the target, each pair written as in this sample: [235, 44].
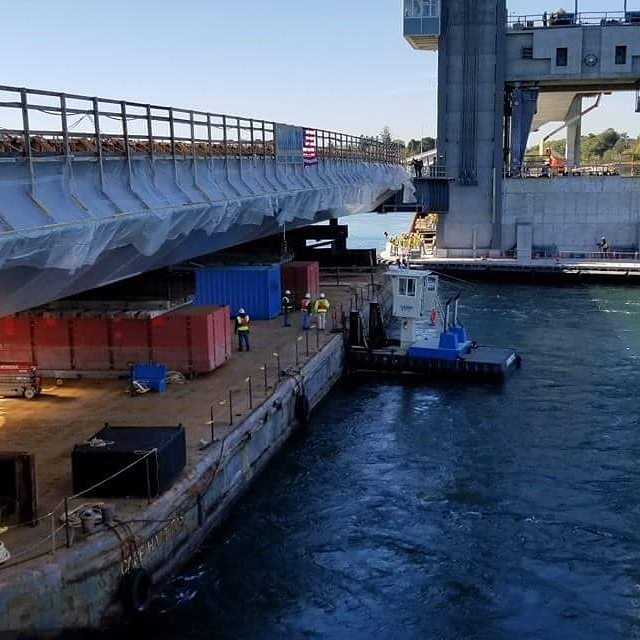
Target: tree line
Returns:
[604, 147]
[412, 147]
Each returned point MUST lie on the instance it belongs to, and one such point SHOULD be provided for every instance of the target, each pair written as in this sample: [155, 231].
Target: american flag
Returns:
[309, 148]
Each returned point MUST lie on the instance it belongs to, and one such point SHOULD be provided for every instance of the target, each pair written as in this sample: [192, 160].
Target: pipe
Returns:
[595, 105]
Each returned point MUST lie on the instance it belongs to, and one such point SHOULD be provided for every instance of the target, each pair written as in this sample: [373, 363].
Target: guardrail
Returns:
[538, 167]
[569, 19]
[36, 123]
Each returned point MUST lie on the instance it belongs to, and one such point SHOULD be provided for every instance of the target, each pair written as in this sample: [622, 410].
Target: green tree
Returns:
[385, 135]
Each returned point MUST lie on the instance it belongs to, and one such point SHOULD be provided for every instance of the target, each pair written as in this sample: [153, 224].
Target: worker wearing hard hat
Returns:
[288, 307]
[305, 308]
[321, 309]
[242, 329]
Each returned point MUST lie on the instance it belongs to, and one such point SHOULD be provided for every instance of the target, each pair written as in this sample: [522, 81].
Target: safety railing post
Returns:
[266, 378]
[67, 532]
[212, 425]
[150, 132]
[209, 140]
[53, 533]
[172, 137]
[250, 391]
[65, 125]
[147, 471]
[26, 134]
[98, 138]
[277, 357]
[230, 407]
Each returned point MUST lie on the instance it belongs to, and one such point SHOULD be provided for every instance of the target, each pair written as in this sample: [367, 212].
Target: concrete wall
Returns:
[573, 213]
[78, 587]
[580, 42]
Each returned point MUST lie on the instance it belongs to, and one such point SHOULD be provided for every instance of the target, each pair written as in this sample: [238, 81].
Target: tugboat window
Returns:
[402, 286]
[621, 55]
[411, 287]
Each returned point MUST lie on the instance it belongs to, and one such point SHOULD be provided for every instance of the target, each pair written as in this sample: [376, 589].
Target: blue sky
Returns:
[335, 64]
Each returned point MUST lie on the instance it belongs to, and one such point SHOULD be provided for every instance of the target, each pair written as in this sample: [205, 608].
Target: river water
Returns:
[448, 512]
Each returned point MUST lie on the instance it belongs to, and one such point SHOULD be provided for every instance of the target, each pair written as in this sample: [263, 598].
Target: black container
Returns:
[150, 477]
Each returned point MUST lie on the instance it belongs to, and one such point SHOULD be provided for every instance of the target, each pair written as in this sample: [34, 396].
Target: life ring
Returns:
[302, 408]
[135, 591]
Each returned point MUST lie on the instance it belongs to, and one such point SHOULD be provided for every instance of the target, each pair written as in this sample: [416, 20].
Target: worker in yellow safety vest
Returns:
[242, 329]
[321, 309]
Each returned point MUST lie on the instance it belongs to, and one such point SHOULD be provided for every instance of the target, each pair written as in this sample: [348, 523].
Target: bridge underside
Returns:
[67, 230]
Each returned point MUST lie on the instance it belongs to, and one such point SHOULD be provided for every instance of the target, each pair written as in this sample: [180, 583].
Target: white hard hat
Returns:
[603, 238]
[322, 295]
[241, 311]
[287, 292]
[307, 295]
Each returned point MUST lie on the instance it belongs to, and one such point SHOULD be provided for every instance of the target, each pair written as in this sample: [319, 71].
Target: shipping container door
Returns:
[91, 344]
[15, 339]
[130, 342]
[52, 343]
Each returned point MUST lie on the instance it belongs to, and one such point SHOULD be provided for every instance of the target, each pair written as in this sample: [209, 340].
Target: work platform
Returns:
[603, 270]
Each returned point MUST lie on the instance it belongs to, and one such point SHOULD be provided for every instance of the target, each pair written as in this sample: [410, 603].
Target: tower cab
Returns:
[422, 24]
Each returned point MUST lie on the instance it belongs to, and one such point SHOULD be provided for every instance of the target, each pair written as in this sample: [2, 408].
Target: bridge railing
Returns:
[35, 123]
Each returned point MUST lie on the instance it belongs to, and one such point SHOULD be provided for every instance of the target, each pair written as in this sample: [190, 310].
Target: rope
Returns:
[175, 377]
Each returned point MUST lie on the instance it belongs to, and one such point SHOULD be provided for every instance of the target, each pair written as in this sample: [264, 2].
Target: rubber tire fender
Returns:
[302, 408]
[135, 591]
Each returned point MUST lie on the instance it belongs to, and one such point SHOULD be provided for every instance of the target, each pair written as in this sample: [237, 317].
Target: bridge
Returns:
[96, 190]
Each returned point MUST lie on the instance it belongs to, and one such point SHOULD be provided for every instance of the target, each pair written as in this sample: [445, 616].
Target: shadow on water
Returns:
[441, 511]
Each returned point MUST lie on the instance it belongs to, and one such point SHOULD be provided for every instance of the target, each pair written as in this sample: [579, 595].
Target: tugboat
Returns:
[444, 349]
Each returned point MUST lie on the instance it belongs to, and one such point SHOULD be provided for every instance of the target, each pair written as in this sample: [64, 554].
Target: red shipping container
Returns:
[194, 339]
[130, 342]
[91, 344]
[52, 343]
[301, 278]
[15, 339]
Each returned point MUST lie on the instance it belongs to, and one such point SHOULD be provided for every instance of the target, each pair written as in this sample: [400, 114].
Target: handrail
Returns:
[551, 20]
[47, 123]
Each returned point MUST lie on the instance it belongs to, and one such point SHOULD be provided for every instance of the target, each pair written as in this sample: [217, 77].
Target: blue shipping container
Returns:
[256, 289]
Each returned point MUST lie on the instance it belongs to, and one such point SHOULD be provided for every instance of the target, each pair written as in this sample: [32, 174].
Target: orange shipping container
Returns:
[52, 344]
[300, 278]
[15, 339]
[194, 339]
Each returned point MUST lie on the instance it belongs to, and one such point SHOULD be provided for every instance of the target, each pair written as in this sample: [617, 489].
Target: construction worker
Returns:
[603, 245]
[305, 307]
[288, 307]
[242, 329]
[321, 309]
